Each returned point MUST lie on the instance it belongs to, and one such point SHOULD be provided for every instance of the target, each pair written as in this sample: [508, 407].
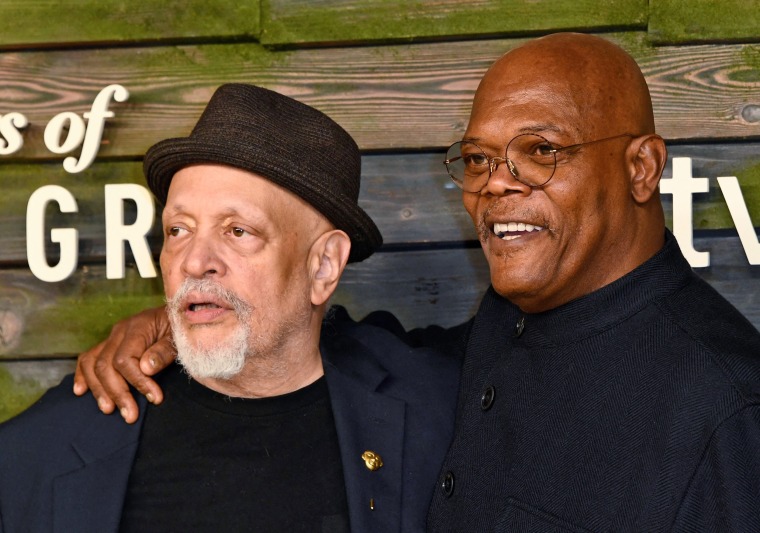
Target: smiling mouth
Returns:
[508, 231]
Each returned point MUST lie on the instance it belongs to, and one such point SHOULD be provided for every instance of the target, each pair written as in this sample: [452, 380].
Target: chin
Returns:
[520, 290]
[206, 354]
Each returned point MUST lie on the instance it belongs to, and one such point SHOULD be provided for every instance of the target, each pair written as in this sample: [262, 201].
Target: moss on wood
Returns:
[707, 21]
[291, 22]
[78, 22]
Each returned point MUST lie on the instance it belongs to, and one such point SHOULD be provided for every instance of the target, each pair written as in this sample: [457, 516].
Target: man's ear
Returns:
[327, 259]
[647, 158]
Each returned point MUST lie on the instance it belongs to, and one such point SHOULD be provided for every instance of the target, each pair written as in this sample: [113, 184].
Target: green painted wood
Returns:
[39, 319]
[87, 22]
[422, 287]
[390, 97]
[22, 383]
[694, 21]
[292, 22]
[19, 181]
[712, 161]
[408, 195]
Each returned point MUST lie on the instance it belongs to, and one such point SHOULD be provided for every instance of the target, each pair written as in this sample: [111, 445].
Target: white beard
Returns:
[227, 358]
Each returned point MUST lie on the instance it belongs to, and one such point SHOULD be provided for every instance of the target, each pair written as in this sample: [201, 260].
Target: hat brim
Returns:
[167, 157]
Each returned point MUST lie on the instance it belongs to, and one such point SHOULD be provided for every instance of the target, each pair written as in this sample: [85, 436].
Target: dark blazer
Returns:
[64, 466]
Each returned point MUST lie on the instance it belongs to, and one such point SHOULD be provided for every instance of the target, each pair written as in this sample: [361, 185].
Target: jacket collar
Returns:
[88, 495]
[658, 277]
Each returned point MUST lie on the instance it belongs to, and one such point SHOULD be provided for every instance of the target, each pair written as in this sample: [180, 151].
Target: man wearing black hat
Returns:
[271, 422]
[605, 387]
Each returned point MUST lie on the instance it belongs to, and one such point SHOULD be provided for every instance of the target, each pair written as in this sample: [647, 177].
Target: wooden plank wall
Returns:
[398, 75]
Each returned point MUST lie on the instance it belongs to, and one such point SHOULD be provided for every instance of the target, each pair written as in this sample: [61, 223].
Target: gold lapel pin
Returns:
[372, 460]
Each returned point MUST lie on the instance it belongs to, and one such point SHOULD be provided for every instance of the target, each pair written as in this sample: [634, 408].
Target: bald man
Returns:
[605, 387]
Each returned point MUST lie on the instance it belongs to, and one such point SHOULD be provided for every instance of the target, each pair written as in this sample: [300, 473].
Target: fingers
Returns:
[85, 377]
[114, 386]
[110, 367]
[122, 367]
[159, 356]
[155, 359]
[80, 383]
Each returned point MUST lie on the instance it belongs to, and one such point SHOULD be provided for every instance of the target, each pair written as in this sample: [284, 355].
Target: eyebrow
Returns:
[540, 128]
[530, 128]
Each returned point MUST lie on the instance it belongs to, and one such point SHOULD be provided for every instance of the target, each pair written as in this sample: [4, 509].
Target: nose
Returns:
[494, 163]
[202, 257]
[502, 179]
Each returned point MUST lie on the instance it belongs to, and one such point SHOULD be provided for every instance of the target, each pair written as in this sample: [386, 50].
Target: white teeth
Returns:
[501, 229]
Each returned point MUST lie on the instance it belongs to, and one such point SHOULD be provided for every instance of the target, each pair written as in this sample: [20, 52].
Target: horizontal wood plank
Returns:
[52, 23]
[422, 287]
[23, 382]
[408, 195]
[695, 21]
[391, 97]
[39, 319]
[19, 182]
[294, 22]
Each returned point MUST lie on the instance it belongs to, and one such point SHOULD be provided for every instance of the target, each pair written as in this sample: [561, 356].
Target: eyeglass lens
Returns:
[530, 158]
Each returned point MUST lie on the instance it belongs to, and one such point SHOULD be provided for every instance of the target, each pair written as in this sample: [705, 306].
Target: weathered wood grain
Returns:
[53, 23]
[18, 183]
[694, 21]
[421, 286]
[43, 320]
[390, 97]
[712, 161]
[731, 275]
[23, 382]
[39, 319]
[408, 195]
[294, 22]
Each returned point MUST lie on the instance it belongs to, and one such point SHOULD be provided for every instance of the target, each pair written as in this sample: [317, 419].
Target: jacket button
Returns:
[448, 484]
[486, 401]
[520, 326]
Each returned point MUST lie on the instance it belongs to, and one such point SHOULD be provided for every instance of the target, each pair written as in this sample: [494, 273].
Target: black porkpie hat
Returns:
[280, 139]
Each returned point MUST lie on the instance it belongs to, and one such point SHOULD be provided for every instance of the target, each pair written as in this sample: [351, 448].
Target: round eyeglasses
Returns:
[530, 158]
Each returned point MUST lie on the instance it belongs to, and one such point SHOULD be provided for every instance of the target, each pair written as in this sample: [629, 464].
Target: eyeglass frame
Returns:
[494, 162]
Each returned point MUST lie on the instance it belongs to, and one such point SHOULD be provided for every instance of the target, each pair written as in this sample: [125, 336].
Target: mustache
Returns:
[208, 287]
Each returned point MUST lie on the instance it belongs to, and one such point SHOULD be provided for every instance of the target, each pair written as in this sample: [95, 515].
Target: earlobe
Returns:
[327, 259]
[647, 161]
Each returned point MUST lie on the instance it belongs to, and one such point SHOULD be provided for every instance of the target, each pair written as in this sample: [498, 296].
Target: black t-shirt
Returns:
[207, 462]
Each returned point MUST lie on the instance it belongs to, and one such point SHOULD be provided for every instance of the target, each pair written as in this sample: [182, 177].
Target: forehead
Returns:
[503, 108]
[210, 189]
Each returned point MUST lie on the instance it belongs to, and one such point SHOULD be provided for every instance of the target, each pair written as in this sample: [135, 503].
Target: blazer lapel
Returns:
[88, 496]
[368, 421]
